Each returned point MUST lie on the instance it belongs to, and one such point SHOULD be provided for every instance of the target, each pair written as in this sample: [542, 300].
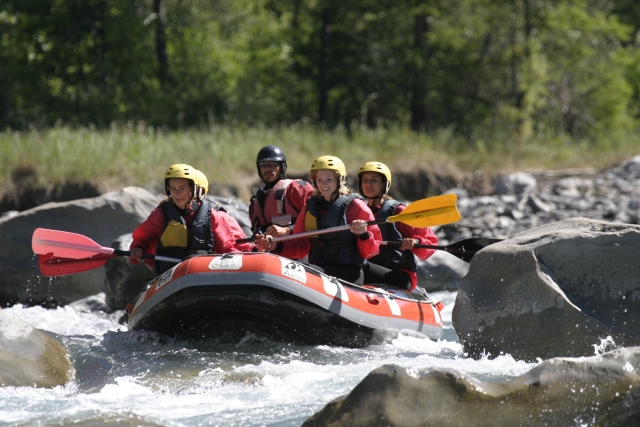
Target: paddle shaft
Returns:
[313, 232]
[464, 249]
[417, 245]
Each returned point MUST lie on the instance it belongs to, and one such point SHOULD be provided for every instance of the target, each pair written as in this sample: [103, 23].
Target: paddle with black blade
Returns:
[464, 249]
[61, 253]
[428, 212]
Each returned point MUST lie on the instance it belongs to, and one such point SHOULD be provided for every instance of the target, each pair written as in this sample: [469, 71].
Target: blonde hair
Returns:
[343, 189]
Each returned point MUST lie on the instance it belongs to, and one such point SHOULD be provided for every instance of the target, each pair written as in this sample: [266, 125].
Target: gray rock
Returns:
[517, 183]
[441, 271]
[31, 358]
[625, 413]
[573, 187]
[558, 392]
[123, 280]
[92, 304]
[556, 290]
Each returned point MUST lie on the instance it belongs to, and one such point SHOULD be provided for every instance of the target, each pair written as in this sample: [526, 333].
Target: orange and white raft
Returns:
[232, 295]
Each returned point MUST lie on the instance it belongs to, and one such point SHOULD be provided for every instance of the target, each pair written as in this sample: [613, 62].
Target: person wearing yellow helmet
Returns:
[275, 207]
[341, 254]
[184, 223]
[202, 186]
[394, 265]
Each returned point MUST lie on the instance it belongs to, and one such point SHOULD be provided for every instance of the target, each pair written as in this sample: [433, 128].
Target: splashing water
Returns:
[140, 378]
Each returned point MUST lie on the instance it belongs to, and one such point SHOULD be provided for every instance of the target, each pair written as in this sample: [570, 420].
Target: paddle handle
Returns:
[313, 232]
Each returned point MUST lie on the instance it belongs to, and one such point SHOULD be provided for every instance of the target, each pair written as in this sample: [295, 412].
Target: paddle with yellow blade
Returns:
[428, 212]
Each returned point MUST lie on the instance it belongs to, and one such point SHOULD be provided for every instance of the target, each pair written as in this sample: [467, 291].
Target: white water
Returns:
[132, 378]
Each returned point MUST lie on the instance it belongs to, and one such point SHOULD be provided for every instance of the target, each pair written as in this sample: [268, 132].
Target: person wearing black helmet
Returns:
[274, 208]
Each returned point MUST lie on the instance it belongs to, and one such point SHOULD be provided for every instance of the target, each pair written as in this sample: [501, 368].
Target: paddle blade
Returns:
[63, 244]
[466, 249]
[51, 266]
[428, 218]
[443, 201]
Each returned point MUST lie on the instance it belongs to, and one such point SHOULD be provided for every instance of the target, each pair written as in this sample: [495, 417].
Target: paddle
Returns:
[51, 266]
[464, 249]
[62, 244]
[428, 212]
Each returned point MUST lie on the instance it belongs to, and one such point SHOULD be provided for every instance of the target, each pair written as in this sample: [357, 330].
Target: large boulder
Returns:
[102, 219]
[561, 289]
[29, 357]
[557, 392]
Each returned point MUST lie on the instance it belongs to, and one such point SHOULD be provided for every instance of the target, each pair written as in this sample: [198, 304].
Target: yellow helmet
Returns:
[375, 167]
[331, 163]
[203, 184]
[180, 170]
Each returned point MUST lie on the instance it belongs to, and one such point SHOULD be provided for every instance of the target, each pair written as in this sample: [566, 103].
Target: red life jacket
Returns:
[273, 207]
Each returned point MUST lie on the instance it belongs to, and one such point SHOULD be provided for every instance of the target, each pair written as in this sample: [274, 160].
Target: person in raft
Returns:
[275, 207]
[340, 254]
[185, 223]
[394, 265]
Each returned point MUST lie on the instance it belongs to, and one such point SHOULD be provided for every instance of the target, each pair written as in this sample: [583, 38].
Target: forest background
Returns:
[113, 91]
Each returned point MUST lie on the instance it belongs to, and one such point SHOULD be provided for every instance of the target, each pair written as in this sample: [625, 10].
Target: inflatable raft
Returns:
[230, 296]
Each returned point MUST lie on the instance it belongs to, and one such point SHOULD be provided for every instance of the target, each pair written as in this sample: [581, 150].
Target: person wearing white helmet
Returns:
[184, 223]
[275, 207]
[341, 254]
[394, 265]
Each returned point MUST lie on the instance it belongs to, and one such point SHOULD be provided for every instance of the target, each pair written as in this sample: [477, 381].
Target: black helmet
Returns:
[272, 153]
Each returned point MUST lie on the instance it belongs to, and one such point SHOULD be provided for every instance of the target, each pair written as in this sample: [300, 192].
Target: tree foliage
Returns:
[517, 68]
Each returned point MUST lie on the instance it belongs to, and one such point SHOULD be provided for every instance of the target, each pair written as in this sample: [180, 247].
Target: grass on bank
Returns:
[131, 155]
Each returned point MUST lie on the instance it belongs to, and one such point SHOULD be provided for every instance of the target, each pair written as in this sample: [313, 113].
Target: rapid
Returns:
[137, 378]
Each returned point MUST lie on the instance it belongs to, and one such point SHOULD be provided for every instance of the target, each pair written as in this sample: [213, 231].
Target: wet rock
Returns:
[93, 304]
[624, 414]
[555, 290]
[29, 357]
[558, 392]
[123, 280]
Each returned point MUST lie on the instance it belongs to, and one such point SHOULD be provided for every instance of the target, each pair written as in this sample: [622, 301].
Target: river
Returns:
[137, 378]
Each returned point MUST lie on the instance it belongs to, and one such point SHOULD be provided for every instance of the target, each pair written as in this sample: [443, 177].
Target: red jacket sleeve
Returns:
[297, 248]
[299, 194]
[424, 235]
[358, 209]
[226, 231]
[147, 234]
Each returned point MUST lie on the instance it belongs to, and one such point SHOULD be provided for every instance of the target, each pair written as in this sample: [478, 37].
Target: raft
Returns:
[234, 296]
